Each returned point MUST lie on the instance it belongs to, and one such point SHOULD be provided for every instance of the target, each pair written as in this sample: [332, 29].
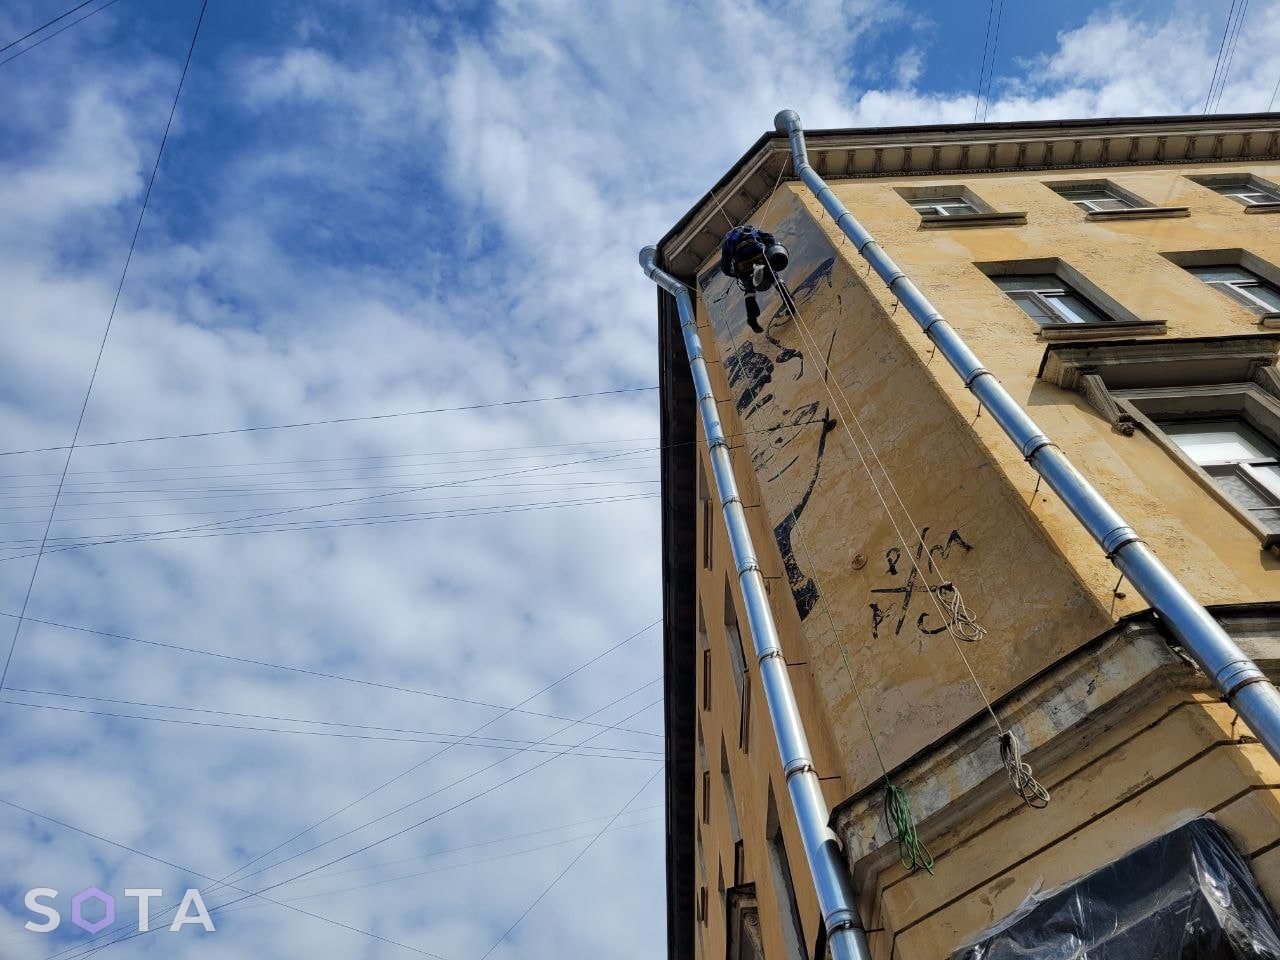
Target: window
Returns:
[1249, 191]
[943, 206]
[1242, 462]
[1093, 199]
[737, 658]
[706, 796]
[1048, 300]
[704, 496]
[735, 832]
[704, 644]
[783, 886]
[1241, 285]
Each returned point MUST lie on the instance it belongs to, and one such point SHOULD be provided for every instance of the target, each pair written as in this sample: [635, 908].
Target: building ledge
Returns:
[1263, 207]
[1095, 331]
[1139, 213]
[981, 219]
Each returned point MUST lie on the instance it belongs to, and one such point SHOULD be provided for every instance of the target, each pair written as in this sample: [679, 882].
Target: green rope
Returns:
[902, 828]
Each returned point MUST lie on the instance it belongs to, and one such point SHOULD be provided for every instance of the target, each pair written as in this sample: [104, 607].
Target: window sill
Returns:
[1095, 331]
[1263, 207]
[1138, 213]
[1269, 321]
[1012, 219]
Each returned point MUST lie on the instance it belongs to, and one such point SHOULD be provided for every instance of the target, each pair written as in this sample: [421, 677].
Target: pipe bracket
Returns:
[797, 766]
[1034, 444]
[773, 653]
[974, 374]
[1236, 675]
[843, 919]
[748, 565]
[1118, 539]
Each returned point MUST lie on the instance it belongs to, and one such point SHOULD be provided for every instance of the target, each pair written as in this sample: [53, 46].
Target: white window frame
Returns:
[1049, 298]
[1246, 192]
[1249, 402]
[1239, 289]
[943, 206]
[1091, 205]
[1248, 469]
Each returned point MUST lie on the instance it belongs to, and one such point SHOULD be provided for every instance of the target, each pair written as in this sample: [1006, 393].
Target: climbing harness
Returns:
[754, 259]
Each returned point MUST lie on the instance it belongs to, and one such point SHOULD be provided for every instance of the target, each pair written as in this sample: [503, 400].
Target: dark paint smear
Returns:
[809, 285]
[803, 589]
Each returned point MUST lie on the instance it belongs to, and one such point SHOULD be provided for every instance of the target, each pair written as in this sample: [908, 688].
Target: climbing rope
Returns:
[898, 818]
[1020, 778]
[913, 854]
[960, 622]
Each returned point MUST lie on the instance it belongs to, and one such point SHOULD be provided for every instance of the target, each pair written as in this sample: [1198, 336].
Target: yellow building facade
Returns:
[1122, 280]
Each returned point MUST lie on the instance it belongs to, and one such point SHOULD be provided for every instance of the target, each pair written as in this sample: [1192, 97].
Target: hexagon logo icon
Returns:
[77, 910]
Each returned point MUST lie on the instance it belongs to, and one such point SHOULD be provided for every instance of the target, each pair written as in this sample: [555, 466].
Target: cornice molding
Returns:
[964, 151]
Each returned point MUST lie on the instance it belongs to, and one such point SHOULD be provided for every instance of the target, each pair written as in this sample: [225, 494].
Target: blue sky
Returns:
[367, 208]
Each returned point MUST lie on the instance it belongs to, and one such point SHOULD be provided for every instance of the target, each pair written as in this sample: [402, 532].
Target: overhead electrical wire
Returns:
[440, 853]
[522, 401]
[987, 69]
[570, 865]
[106, 333]
[458, 739]
[1230, 55]
[318, 506]
[187, 871]
[418, 858]
[67, 954]
[991, 69]
[44, 26]
[391, 687]
[617, 726]
[982, 70]
[68, 543]
[439, 790]
[46, 39]
[452, 866]
[1219, 62]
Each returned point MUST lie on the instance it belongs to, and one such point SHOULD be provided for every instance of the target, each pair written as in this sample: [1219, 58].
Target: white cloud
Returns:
[377, 211]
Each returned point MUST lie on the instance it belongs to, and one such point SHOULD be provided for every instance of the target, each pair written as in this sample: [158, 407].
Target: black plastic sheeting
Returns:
[1187, 895]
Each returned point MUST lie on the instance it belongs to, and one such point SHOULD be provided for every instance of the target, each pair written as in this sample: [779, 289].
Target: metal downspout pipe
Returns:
[845, 935]
[1238, 678]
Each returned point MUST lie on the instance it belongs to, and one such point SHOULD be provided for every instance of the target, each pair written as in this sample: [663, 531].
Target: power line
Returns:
[322, 675]
[315, 506]
[44, 26]
[502, 490]
[457, 739]
[452, 866]
[471, 846]
[197, 874]
[102, 346]
[91, 13]
[335, 420]
[248, 895]
[570, 865]
[506, 712]
[296, 526]
[1231, 55]
[991, 70]
[982, 70]
[1217, 63]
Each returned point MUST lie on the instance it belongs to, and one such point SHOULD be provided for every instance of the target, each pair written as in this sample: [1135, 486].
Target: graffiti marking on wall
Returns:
[907, 585]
